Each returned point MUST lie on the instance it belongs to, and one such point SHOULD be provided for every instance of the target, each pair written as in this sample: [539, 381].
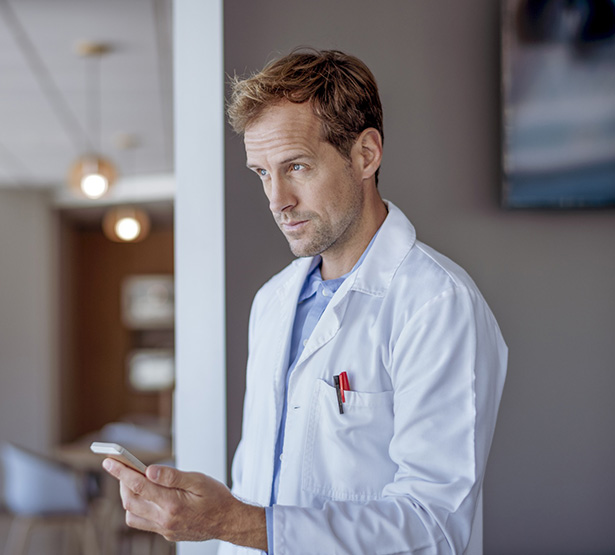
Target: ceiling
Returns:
[49, 113]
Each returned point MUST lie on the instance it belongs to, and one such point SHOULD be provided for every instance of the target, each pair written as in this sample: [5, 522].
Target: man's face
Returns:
[315, 194]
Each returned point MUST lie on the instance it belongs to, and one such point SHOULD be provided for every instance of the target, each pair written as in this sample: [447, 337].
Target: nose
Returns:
[280, 194]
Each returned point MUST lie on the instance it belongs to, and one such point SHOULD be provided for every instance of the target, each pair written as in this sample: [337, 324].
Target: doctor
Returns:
[392, 459]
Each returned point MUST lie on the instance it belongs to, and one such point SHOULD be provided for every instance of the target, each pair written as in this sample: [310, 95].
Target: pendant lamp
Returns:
[92, 175]
[126, 224]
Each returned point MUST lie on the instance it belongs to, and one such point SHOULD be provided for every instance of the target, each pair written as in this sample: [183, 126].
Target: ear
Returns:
[369, 150]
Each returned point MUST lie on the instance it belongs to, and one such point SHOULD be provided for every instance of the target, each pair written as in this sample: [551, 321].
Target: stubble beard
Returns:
[321, 238]
[325, 235]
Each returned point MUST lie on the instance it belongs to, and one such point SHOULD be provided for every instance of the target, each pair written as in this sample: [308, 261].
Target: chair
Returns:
[39, 491]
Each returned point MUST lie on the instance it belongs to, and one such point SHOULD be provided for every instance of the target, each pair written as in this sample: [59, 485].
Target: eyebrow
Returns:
[282, 163]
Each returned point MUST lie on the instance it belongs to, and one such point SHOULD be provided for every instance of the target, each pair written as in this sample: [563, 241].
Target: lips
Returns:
[293, 226]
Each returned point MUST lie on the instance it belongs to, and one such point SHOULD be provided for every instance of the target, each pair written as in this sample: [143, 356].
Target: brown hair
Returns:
[340, 87]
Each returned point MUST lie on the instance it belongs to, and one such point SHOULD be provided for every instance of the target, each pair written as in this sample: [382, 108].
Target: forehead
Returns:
[282, 127]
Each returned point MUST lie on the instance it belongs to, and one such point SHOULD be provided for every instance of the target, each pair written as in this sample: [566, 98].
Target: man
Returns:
[392, 460]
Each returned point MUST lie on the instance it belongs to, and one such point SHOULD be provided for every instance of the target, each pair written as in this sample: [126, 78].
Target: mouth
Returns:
[289, 227]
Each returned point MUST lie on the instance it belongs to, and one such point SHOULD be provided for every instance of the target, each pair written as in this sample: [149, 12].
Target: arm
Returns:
[187, 506]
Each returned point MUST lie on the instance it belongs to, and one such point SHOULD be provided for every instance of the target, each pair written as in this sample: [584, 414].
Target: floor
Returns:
[50, 541]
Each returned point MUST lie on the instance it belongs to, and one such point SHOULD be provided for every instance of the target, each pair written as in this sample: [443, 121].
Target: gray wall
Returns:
[28, 384]
[547, 276]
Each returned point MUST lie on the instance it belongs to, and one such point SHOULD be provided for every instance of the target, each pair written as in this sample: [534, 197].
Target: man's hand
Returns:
[187, 506]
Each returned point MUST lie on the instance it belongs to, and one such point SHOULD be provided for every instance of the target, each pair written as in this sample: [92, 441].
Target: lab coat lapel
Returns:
[281, 335]
[277, 320]
[329, 323]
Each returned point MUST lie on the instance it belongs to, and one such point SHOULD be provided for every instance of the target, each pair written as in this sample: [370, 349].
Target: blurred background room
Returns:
[86, 274]
[499, 126]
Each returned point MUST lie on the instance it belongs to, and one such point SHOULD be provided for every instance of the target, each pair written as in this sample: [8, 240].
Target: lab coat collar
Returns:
[395, 239]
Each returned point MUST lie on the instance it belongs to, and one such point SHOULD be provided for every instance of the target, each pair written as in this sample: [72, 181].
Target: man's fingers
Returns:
[126, 475]
[138, 505]
[181, 506]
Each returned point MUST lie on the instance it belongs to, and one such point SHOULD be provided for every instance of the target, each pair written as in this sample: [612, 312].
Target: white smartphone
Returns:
[119, 453]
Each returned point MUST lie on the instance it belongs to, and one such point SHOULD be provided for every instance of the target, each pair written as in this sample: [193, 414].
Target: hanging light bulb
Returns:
[128, 228]
[92, 176]
[94, 185]
[126, 225]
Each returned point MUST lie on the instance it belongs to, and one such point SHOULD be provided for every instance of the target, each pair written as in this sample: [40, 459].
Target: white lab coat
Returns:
[401, 470]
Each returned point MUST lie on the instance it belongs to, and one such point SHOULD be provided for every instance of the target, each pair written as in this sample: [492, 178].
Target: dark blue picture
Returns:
[558, 63]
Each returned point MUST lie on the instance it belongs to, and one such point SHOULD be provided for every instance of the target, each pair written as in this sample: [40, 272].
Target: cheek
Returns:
[337, 196]
[325, 193]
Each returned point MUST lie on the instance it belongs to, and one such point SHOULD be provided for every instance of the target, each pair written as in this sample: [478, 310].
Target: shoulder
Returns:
[426, 274]
[402, 265]
[435, 271]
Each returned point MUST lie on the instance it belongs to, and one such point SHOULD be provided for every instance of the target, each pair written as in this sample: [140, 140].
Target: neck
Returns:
[336, 263]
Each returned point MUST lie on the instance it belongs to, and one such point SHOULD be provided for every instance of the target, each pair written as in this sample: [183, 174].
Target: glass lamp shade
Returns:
[126, 225]
[92, 176]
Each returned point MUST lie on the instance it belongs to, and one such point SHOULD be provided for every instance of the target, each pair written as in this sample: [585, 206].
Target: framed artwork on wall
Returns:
[558, 102]
[151, 369]
[148, 302]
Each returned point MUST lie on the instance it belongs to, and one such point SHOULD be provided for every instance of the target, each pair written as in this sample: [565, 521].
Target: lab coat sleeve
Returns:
[447, 369]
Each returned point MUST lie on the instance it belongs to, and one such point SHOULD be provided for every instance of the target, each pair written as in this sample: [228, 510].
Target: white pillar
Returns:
[200, 394]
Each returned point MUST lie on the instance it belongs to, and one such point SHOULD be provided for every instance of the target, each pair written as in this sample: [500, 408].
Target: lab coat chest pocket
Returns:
[347, 455]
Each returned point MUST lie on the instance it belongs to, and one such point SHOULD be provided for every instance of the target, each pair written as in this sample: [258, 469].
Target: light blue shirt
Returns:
[314, 298]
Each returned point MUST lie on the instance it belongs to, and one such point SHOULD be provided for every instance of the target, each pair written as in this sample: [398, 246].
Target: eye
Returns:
[297, 167]
[261, 172]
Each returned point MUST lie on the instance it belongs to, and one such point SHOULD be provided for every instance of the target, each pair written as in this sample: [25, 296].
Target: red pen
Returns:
[344, 385]
[341, 385]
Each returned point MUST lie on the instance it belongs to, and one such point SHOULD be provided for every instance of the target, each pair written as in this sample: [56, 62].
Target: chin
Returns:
[303, 251]
[309, 246]
[300, 253]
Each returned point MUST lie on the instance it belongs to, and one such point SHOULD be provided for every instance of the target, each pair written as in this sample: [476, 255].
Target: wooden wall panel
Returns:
[95, 388]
